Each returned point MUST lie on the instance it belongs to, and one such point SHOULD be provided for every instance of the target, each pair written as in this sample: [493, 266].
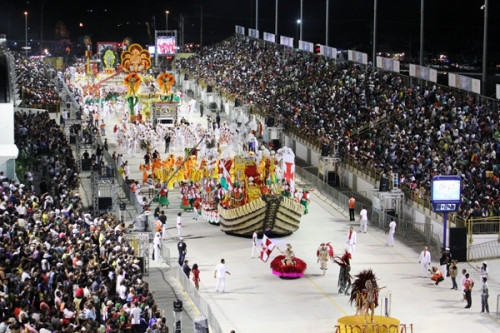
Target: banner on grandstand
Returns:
[328, 51]
[253, 33]
[287, 41]
[464, 83]
[269, 37]
[239, 30]
[388, 64]
[358, 57]
[423, 73]
[306, 46]
[498, 91]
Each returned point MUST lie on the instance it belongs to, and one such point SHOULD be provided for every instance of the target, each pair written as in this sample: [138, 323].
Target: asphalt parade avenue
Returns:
[258, 301]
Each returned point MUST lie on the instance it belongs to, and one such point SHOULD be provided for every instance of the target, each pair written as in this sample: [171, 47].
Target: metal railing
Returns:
[483, 225]
[201, 304]
[407, 229]
[484, 250]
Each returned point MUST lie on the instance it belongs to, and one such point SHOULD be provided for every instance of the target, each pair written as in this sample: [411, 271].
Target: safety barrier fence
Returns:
[201, 304]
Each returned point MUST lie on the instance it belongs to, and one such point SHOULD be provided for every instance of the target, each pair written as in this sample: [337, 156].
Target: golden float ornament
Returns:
[135, 59]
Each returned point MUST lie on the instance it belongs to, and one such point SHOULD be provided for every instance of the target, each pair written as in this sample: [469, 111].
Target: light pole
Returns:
[256, 14]
[374, 54]
[26, 33]
[276, 21]
[485, 44]
[326, 32]
[166, 19]
[299, 22]
[421, 33]
[301, 18]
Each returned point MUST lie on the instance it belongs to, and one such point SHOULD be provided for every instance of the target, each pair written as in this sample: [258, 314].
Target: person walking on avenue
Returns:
[255, 237]
[425, 261]
[363, 220]
[178, 224]
[167, 142]
[351, 241]
[196, 276]
[462, 283]
[217, 120]
[186, 269]
[324, 255]
[157, 247]
[453, 274]
[202, 108]
[484, 269]
[469, 284]
[352, 202]
[445, 260]
[484, 296]
[390, 233]
[182, 249]
[220, 274]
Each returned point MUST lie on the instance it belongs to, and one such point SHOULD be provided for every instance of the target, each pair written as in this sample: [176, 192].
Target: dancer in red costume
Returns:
[288, 266]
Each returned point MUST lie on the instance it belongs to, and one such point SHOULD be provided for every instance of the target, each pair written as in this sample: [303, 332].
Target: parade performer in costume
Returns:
[288, 266]
[163, 196]
[236, 195]
[285, 189]
[344, 274]
[305, 199]
[324, 254]
[365, 293]
[185, 204]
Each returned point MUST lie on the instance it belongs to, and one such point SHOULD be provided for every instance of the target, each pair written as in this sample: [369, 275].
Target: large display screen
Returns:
[165, 45]
[446, 189]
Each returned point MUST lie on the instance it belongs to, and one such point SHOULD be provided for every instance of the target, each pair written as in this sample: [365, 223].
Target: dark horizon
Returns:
[449, 28]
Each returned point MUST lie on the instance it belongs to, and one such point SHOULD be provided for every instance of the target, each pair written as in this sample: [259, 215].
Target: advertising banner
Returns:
[269, 37]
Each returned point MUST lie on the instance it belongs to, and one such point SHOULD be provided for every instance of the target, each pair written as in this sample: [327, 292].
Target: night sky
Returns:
[455, 27]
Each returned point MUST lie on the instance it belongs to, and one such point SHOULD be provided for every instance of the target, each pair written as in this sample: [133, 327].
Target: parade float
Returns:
[260, 198]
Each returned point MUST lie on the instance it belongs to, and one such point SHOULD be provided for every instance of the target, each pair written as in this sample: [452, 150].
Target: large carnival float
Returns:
[261, 197]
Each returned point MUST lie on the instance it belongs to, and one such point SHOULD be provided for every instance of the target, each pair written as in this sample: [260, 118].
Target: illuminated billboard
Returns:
[165, 45]
[445, 193]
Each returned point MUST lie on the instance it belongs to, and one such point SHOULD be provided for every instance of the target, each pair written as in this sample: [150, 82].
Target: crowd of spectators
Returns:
[416, 130]
[62, 269]
[35, 83]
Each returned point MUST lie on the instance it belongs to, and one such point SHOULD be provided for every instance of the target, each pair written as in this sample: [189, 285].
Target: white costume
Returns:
[425, 261]
[363, 219]
[390, 236]
[157, 247]
[351, 241]
[254, 244]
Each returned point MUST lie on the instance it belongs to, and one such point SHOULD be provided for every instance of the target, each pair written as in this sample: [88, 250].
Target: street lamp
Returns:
[276, 20]
[256, 14]
[299, 22]
[301, 10]
[485, 44]
[421, 62]
[326, 32]
[26, 33]
[374, 54]
[166, 19]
